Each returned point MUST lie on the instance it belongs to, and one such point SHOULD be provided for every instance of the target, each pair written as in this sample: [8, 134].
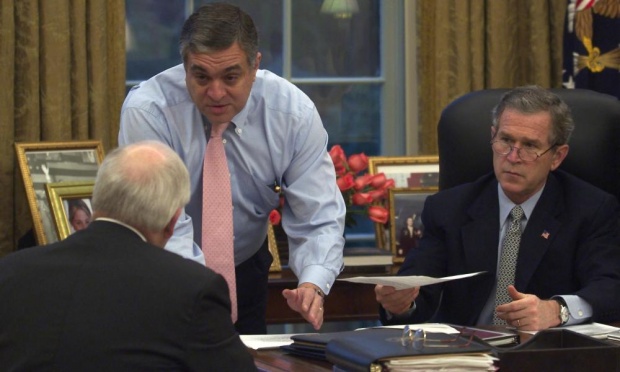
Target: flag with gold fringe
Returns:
[592, 46]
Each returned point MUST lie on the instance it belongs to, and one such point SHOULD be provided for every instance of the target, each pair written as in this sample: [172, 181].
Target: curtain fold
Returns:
[64, 80]
[468, 45]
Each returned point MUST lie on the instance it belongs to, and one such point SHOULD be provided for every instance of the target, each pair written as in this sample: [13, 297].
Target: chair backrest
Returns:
[464, 135]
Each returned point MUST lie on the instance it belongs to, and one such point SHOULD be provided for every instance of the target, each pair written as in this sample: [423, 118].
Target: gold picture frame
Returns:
[406, 204]
[41, 163]
[62, 196]
[408, 172]
[276, 265]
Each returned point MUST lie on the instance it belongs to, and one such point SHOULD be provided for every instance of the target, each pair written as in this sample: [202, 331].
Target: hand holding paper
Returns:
[403, 282]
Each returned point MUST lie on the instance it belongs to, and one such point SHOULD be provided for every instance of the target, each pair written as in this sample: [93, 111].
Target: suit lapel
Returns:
[541, 229]
[482, 231]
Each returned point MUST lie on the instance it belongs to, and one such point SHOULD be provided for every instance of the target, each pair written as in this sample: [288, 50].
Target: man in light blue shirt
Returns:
[275, 139]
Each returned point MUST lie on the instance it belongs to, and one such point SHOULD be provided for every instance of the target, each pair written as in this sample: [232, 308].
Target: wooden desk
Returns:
[276, 360]
[345, 302]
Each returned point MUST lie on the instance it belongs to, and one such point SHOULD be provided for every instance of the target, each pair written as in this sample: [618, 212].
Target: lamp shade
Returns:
[340, 8]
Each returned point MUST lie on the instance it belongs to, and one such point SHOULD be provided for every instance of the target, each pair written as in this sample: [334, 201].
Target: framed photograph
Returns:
[405, 223]
[407, 172]
[71, 208]
[276, 266]
[41, 163]
[417, 172]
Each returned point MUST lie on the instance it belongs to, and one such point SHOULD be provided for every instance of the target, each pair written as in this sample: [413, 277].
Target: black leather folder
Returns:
[561, 350]
[312, 345]
[364, 350]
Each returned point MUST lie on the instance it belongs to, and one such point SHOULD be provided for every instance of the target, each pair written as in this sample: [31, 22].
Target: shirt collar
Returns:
[122, 224]
[506, 205]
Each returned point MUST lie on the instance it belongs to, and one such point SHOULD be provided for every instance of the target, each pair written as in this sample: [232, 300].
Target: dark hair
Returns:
[533, 99]
[216, 27]
[75, 205]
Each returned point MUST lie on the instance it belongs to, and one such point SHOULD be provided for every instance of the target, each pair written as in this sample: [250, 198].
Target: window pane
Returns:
[327, 46]
[350, 113]
[152, 36]
[267, 16]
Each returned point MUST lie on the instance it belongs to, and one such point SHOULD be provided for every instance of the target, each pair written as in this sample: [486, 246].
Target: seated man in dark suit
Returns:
[108, 297]
[554, 261]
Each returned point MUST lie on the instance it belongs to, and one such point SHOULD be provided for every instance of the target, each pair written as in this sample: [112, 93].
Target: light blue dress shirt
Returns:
[277, 138]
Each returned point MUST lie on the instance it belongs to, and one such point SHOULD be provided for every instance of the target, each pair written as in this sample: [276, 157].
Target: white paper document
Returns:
[403, 282]
[428, 327]
[596, 330]
[257, 342]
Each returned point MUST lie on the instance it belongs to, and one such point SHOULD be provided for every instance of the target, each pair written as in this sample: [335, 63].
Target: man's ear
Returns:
[558, 156]
[259, 56]
[169, 228]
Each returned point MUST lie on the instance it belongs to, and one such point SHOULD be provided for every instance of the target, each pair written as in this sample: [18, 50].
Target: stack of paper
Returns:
[595, 330]
[444, 363]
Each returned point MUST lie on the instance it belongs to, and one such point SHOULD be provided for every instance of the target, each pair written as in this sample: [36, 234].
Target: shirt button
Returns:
[238, 130]
[223, 140]
[327, 285]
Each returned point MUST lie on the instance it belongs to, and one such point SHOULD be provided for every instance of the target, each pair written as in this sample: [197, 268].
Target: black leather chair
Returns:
[464, 135]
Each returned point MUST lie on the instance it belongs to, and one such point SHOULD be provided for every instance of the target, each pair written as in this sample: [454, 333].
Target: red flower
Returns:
[362, 181]
[361, 198]
[358, 162]
[338, 157]
[274, 217]
[378, 195]
[360, 190]
[389, 184]
[378, 214]
[378, 180]
[345, 182]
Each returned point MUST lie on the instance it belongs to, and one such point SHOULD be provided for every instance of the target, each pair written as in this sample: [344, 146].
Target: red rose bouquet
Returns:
[363, 193]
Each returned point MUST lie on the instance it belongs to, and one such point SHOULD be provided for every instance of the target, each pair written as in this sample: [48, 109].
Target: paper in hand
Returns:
[403, 282]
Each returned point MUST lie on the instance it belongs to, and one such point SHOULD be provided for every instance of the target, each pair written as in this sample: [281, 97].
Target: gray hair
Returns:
[534, 99]
[218, 26]
[142, 185]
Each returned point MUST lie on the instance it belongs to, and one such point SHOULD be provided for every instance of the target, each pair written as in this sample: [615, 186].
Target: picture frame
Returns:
[41, 163]
[406, 205]
[408, 172]
[71, 207]
[276, 265]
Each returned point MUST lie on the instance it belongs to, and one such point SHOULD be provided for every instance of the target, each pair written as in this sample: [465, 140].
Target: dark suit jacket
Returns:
[104, 300]
[571, 245]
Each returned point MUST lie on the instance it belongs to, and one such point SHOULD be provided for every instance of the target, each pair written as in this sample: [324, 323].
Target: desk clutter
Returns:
[447, 347]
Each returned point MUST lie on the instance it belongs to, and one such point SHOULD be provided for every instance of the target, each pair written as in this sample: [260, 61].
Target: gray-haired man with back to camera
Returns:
[109, 297]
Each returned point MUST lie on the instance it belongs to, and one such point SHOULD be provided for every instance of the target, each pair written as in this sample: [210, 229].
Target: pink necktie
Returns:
[217, 220]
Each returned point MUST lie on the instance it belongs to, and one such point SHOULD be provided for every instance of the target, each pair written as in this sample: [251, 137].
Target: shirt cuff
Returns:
[579, 310]
[404, 315]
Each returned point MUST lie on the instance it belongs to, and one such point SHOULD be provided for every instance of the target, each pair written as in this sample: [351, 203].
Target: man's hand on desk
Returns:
[396, 302]
[528, 312]
[307, 300]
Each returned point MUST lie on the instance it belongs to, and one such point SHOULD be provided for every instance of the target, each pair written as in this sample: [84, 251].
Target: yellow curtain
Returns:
[468, 45]
[63, 77]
